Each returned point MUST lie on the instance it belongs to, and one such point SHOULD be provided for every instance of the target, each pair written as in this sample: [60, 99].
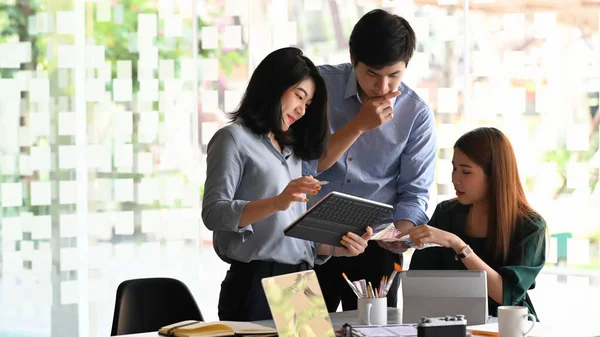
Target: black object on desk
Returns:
[448, 326]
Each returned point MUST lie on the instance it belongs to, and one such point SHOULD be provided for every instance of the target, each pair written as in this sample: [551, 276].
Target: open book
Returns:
[389, 233]
[216, 329]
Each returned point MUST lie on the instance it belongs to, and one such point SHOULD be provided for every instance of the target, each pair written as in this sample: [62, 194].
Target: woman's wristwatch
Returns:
[464, 253]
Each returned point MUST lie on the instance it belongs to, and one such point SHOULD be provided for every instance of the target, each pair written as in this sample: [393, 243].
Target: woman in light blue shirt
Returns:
[254, 184]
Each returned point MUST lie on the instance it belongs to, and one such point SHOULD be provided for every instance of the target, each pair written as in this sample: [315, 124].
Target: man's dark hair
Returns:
[260, 108]
[380, 39]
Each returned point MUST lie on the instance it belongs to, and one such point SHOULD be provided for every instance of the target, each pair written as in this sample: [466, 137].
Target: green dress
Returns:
[526, 257]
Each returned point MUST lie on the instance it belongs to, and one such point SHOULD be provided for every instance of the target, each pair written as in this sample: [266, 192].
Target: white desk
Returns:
[395, 317]
[337, 318]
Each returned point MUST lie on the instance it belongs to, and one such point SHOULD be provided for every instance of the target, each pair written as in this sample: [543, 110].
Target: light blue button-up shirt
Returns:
[243, 167]
[394, 163]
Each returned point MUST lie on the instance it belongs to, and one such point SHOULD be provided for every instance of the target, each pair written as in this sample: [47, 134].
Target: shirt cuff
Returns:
[319, 259]
[310, 167]
[412, 213]
[234, 217]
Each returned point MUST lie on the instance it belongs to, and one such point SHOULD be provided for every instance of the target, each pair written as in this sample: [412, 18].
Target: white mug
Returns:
[512, 321]
[372, 311]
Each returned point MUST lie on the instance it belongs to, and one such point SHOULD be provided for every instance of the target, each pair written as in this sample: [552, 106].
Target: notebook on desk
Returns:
[337, 214]
[216, 329]
[297, 305]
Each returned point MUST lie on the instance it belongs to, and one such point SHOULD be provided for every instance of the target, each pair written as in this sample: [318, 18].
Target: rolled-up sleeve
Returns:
[310, 167]
[528, 260]
[417, 169]
[220, 212]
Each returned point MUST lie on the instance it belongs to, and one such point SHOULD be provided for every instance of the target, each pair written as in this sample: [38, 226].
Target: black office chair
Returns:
[146, 305]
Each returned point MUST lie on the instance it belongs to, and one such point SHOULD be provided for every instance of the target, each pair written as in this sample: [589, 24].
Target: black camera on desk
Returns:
[449, 326]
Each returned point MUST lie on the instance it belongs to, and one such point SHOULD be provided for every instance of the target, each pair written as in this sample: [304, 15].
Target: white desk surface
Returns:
[395, 317]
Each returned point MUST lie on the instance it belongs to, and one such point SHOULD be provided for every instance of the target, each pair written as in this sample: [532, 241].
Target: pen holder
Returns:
[372, 311]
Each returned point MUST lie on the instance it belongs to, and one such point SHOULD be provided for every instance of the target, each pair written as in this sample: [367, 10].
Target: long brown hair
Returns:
[490, 149]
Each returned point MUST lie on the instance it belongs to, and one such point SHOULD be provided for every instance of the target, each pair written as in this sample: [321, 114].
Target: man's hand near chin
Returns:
[398, 247]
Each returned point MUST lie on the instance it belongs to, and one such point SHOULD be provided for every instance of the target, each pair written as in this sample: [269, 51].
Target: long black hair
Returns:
[260, 108]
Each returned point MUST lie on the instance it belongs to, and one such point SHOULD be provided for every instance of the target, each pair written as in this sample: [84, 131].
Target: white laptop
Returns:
[438, 293]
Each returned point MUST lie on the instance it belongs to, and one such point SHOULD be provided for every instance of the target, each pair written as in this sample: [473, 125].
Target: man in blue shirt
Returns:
[382, 147]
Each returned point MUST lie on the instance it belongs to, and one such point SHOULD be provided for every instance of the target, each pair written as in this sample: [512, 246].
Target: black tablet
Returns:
[337, 214]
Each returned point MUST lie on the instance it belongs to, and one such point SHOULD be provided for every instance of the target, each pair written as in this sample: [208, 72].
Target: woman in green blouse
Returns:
[489, 226]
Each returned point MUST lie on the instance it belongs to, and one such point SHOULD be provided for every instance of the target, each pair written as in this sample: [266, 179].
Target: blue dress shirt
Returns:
[394, 163]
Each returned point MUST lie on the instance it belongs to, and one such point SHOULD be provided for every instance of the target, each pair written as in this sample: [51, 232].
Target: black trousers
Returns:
[371, 265]
[242, 296]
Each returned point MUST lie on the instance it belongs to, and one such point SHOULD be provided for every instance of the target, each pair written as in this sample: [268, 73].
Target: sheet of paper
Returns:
[173, 25]
[123, 126]
[39, 123]
[148, 126]
[100, 255]
[12, 229]
[8, 164]
[123, 69]
[69, 258]
[514, 26]
[147, 24]
[118, 14]
[67, 157]
[313, 5]
[123, 222]
[123, 156]
[10, 59]
[148, 191]
[122, 90]
[41, 263]
[444, 171]
[210, 37]
[578, 175]
[145, 162]
[148, 90]
[166, 69]
[209, 68]
[96, 90]
[187, 69]
[25, 165]
[66, 123]
[68, 226]
[105, 72]
[66, 56]
[232, 37]
[210, 101]
[103, 11]
[232, 99]
[12, 195]
[41, 193]
[41, 227]
[385, 331]
[448, 27]
[102, 189]
[124, 190]
[69, 290]
[39, 90]
[577, 137]
[27, 250]
[148, 60]
[65, 23]
[150, 221]
[94, 56]
[447, 100]
[67, 192]
[40, 158]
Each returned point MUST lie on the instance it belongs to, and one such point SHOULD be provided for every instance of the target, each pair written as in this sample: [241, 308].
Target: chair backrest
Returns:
[146, 305]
